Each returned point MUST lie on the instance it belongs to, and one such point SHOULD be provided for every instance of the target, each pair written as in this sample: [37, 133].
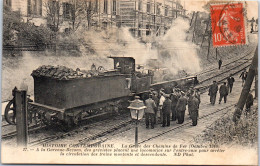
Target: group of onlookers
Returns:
[162, 107]
[224, 90]
[165, 105]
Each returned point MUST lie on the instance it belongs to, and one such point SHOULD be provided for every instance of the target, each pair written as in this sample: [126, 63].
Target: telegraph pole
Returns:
[216, 53]
[245, 91]
[193, 35]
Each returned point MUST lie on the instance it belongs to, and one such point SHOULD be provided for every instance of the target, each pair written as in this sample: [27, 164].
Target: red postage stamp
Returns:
[228, 24]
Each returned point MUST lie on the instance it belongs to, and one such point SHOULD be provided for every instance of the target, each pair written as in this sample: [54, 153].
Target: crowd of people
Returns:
[224, 90]
[170, 105]
[163, 107]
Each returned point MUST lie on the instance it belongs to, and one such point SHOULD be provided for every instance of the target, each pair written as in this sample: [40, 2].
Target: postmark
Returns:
[228, 24]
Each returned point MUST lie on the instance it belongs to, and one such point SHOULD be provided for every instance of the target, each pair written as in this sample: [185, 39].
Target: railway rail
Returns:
[232, 60]
[82, 128]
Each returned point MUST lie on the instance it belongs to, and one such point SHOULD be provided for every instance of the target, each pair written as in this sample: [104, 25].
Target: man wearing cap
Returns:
[197, 94]
[174, 99]
[181, 107]
[243, 76]
[223, 92]
[161, 101]
[166, 109]
[191, 93]
[156, 101]
[149, 111]
[213, 89]
[194, 110]
[230, 81]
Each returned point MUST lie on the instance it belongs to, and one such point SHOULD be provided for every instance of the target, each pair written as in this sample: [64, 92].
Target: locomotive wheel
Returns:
[10, 114]
[36, 117]
[93, 112]
[101, 69]
[77, 119]
[68, 124]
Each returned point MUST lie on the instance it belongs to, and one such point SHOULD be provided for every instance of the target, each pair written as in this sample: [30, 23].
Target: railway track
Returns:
[231, 60]
[187, 123]
[233, 68]
[35, 128]
[203, 85]
[113, 128]
[227, 108]
[83, 128]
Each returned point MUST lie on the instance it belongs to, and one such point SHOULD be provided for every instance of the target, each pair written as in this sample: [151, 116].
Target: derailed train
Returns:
[68, 101]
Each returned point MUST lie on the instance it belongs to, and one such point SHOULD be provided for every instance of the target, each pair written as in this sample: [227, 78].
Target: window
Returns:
[105, 6]
[158, 10]
[148, 7]
[96, 6]
[34, 7]
[147, 30]
[67, 10]
[140, 5]
[8, 3]
[114, 7]
[166, 11]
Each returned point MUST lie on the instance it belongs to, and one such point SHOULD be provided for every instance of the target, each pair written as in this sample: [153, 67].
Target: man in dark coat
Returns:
[194, 110]
[230, 81]
[213, 89]
[190, 95]
[166, 110]
[181, 107]
[223, 92]
[249, 102]
[149, 111]
[243, 76]
[174, 100]
[197, 94]
[156, 100]
[219, 63]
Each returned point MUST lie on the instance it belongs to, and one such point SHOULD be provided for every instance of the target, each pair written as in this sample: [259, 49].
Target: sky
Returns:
[196, 5]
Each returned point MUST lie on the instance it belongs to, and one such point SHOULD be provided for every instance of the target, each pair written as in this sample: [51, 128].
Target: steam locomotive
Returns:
[68, 101]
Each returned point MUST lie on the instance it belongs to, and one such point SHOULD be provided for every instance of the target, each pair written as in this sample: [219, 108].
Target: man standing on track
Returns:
[194, 110]
[197, 94]
[174, 99]
[243, 75]
[191, 93]
[219, 63]
[166, 110]
[156, 101]
[149, 111]
[213, 89]
[161, 101]
[181, 107]
[230, 81]
[223, 92]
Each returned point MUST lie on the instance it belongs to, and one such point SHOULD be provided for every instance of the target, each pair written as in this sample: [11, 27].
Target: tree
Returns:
[246, 89]
[82, 10]
[16, 32]
[11, 23]
[54, 15]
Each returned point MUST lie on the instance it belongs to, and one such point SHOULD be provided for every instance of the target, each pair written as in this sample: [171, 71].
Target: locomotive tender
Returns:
[68, 101]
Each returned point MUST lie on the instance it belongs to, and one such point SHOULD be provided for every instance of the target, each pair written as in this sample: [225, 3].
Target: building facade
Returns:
[143, 17]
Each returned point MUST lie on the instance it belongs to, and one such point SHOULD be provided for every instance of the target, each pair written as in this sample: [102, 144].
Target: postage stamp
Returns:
[228, 24]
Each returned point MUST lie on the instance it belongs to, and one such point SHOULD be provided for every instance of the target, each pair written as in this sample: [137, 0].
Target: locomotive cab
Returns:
[125, 65]
[139, 82]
